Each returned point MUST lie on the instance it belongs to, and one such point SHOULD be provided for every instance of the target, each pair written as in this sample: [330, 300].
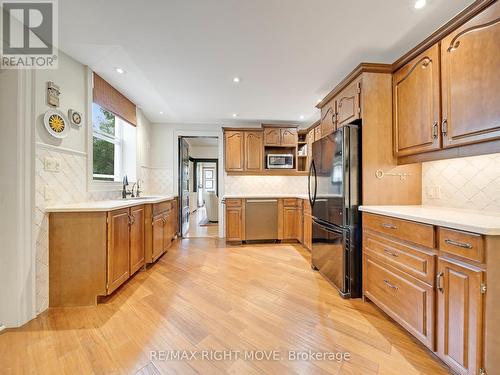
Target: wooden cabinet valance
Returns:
[114, 101]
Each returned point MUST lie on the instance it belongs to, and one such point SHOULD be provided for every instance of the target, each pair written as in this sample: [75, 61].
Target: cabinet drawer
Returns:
[290, 202]
[415, 262]
[463, 244]
[159, 208]
[409, 302]
[233, 202]
[421, 234]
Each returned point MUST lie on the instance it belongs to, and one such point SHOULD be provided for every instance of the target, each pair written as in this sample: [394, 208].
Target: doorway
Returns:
[199, 186]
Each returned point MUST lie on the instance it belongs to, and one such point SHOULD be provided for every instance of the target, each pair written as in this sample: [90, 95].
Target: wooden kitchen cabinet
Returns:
[254, 158]
[235, 225]
[118, 249]
[307, 225]
[470, 58]
[288, 137]
[460, 316]
[234, 142]
[416, 104]
[158, 235]
[328, 119]
[292, 220]
[348, 104]
[272, 137]
[137, 237]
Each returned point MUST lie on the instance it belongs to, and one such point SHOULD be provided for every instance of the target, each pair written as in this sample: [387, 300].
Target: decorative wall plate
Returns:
[75, 117]
[55, 123]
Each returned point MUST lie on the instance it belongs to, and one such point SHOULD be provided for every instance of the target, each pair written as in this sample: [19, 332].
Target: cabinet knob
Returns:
[439, 287]
[435, 130]
[444, 127]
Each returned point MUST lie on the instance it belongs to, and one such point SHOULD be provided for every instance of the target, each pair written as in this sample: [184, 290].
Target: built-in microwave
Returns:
[278, 161]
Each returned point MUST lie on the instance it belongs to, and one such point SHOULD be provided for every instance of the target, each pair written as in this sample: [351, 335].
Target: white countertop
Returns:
[107, 205]
[261, 196]
[487, 223]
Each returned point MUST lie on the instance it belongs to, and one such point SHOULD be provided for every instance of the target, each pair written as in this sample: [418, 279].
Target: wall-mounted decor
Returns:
[53, 93]
[55, 123]
[75, 117]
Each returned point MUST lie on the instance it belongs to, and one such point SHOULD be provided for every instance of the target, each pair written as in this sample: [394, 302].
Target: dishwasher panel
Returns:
[261, 219]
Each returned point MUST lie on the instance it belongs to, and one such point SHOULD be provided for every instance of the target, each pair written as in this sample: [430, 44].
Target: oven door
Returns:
[330, 255]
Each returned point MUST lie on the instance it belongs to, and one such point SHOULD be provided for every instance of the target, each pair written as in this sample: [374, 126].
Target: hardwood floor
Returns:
[202, 295]
[196, 230]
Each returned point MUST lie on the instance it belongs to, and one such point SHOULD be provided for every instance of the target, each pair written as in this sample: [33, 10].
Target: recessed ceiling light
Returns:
[319, 100]
[236, 79]
[235, 115]
[119, 70]
[301, 117]
[161, 112]
[419, 4]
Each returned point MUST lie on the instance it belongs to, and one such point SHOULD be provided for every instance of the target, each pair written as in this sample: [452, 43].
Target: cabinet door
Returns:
[328, 114]
[470, 74]
[253, 151]
[289, 137]
[348, 104]
[310, 140]
[168, 231]
[272, 137]
[317, 132]
[416, 96]
[290, 223]
[235, 154]
[234, 225]
[137, 259]
[118, 248]
[460, 316]
[158, 235]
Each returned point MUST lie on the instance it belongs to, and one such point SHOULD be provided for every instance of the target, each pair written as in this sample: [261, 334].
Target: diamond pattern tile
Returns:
[472, 183]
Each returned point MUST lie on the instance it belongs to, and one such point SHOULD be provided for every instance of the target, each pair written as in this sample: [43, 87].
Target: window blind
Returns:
[114, 101]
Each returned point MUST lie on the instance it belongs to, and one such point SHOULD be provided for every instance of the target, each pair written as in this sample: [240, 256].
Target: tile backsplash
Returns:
[471, 183]
[265, 184]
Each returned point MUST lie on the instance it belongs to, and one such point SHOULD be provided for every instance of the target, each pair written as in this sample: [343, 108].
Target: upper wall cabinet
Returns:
[328, 121]
[253, 151]
[289, 137]
[470, 80]
[416, 104]
[235, 150]
[349, 104]
[276, 136]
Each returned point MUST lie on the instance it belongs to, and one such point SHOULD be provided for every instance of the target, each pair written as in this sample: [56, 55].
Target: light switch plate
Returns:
[47, 193]
[51, 164]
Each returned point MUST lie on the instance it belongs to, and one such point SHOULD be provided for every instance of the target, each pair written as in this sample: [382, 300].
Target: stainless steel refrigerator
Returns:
[335, 194]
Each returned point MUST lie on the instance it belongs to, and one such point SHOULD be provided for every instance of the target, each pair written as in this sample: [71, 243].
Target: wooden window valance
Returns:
[113, 100]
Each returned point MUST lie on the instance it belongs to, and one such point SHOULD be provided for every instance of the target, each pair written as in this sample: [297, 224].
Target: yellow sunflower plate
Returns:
[56, 124]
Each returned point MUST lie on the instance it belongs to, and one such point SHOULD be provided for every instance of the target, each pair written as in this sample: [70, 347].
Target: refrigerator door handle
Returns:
[312, 172]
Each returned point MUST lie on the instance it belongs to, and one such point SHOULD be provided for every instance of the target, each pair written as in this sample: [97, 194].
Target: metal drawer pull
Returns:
[439, 276]
[392, 286]
[389, 226]
[458, 244]
[391, 253]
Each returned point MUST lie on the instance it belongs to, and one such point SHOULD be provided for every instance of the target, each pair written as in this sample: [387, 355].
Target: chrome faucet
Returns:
[124, 190]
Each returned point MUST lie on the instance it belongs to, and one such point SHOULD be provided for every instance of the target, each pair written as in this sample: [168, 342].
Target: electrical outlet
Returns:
[433, 192]
[47, 193]
[51, 164]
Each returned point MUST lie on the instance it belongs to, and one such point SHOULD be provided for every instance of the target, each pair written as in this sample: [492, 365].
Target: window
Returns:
[114, 146]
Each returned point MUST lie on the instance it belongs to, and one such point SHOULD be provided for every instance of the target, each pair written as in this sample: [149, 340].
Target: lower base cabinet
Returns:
[235, 220]
[460, 316]
[118, 248]
[408, 301]
[91, 254]
[451, 313]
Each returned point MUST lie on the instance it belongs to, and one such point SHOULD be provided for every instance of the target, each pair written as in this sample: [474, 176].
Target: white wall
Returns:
[204, 152]
[17, 266]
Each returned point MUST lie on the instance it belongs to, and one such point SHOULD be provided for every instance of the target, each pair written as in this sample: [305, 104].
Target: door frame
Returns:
[220, 171]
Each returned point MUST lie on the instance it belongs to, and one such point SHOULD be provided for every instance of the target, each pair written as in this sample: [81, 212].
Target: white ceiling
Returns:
[180, 56]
